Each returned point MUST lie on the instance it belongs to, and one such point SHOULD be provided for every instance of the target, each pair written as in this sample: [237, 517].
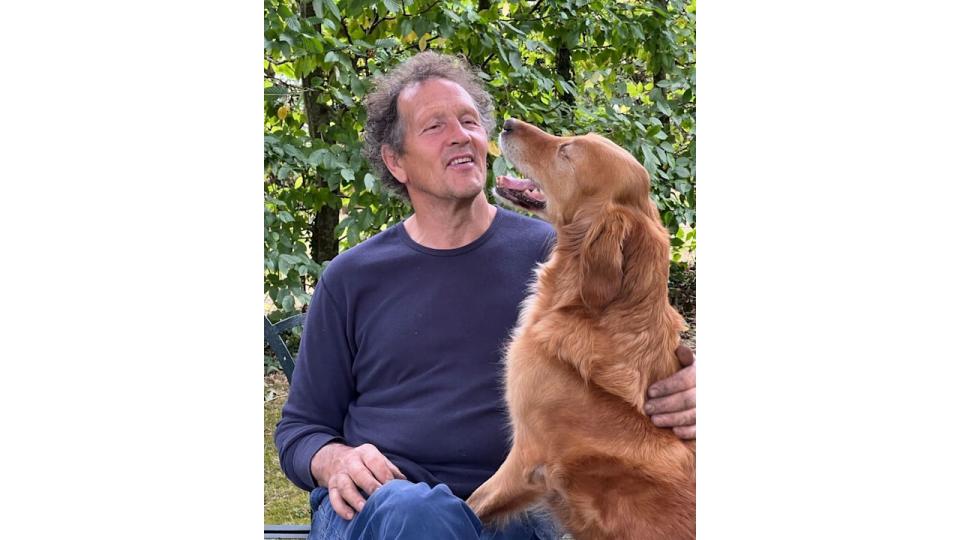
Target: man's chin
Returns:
[469, 188]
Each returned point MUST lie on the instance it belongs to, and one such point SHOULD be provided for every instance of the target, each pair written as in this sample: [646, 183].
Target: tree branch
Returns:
[284, 83]
[428, 8]
[484, 64]
[346, 31]
[417, 45]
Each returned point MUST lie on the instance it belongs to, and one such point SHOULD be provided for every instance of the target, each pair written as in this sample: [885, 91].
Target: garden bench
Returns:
[272, 335]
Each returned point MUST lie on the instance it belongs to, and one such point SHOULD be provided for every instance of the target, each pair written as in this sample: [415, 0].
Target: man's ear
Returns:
[392, 159]
[601, 255]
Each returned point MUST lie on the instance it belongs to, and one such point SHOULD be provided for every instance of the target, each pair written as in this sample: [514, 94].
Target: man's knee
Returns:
[413, 499]
[402, 505]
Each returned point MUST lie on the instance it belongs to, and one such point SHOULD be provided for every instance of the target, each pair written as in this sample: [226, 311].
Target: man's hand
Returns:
[673, 401]
[345, 471]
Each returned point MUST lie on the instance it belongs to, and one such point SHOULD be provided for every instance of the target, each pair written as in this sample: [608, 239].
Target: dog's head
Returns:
[566, 174]
[597, 196]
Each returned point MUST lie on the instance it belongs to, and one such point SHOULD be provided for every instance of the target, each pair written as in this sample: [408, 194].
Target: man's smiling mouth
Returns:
[460, 160]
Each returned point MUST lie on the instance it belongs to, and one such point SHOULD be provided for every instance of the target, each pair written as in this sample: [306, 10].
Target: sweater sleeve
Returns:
[321, 389]
[549, 242]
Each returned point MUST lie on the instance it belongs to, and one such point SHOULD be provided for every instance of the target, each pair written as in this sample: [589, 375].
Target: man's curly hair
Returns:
[384, 125]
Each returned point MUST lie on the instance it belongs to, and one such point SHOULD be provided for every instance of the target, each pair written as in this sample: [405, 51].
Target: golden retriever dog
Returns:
[596, 331]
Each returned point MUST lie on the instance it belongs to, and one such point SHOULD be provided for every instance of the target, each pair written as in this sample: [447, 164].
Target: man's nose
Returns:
[460, 134]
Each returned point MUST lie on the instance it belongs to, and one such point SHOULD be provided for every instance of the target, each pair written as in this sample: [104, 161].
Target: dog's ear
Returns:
[601, 254]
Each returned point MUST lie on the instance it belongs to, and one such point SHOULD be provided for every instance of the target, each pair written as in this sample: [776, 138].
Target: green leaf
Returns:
[515, 60]
[334, 10]
[664, 108]
[347, 174]
[369, 181]
[356, 86]
[650, 161]
[344, 98]
[294, 24]
[316, 156]
[285, 217]
[386, 43]
[292, 150]
[332, 181]
[514, 28]
[318, 8]
[392, 5]
[499, 166]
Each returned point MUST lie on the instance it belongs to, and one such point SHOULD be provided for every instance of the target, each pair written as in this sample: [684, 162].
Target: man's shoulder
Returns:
[356, 259]
[525, 237]
[530, 227]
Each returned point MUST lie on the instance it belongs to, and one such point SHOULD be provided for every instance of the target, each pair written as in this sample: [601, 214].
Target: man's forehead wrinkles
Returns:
[461, 101]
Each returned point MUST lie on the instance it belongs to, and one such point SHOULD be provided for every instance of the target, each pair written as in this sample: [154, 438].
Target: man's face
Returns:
[445, 144]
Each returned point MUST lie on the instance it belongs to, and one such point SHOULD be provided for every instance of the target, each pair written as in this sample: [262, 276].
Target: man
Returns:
[395, 413]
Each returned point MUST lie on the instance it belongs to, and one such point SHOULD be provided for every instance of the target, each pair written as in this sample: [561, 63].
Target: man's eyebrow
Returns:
[424, 118]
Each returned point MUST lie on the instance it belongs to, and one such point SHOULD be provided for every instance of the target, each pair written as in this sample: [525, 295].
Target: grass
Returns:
[283, 502]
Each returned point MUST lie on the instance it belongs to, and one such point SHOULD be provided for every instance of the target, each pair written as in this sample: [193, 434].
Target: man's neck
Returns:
[450, 227]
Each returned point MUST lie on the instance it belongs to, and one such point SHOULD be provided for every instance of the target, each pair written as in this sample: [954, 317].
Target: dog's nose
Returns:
[509, 125]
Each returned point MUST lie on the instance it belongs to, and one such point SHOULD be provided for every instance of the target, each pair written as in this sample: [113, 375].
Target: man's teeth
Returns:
[462, 160]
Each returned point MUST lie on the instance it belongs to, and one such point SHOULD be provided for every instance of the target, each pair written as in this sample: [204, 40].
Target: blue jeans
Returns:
[401, 510]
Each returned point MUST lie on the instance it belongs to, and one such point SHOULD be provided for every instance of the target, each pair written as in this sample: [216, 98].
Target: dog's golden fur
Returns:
[596, 332]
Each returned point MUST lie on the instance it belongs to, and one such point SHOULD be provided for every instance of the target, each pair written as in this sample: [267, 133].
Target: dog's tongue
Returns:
[519, 184]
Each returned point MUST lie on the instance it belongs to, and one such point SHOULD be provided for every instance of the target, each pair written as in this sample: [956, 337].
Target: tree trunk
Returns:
[660, 73]
[323, 242]
[565, 70]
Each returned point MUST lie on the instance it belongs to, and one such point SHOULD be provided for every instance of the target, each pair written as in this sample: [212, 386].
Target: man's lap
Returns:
[401, 510]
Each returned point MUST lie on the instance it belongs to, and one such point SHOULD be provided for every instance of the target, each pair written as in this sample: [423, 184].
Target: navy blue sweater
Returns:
[402, 349]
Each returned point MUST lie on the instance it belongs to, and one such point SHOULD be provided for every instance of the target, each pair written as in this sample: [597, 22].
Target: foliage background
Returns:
[622, 69]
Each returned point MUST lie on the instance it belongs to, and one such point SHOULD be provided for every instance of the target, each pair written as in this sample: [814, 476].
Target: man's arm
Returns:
[309, 435]
[320, 390]
[673, 401]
